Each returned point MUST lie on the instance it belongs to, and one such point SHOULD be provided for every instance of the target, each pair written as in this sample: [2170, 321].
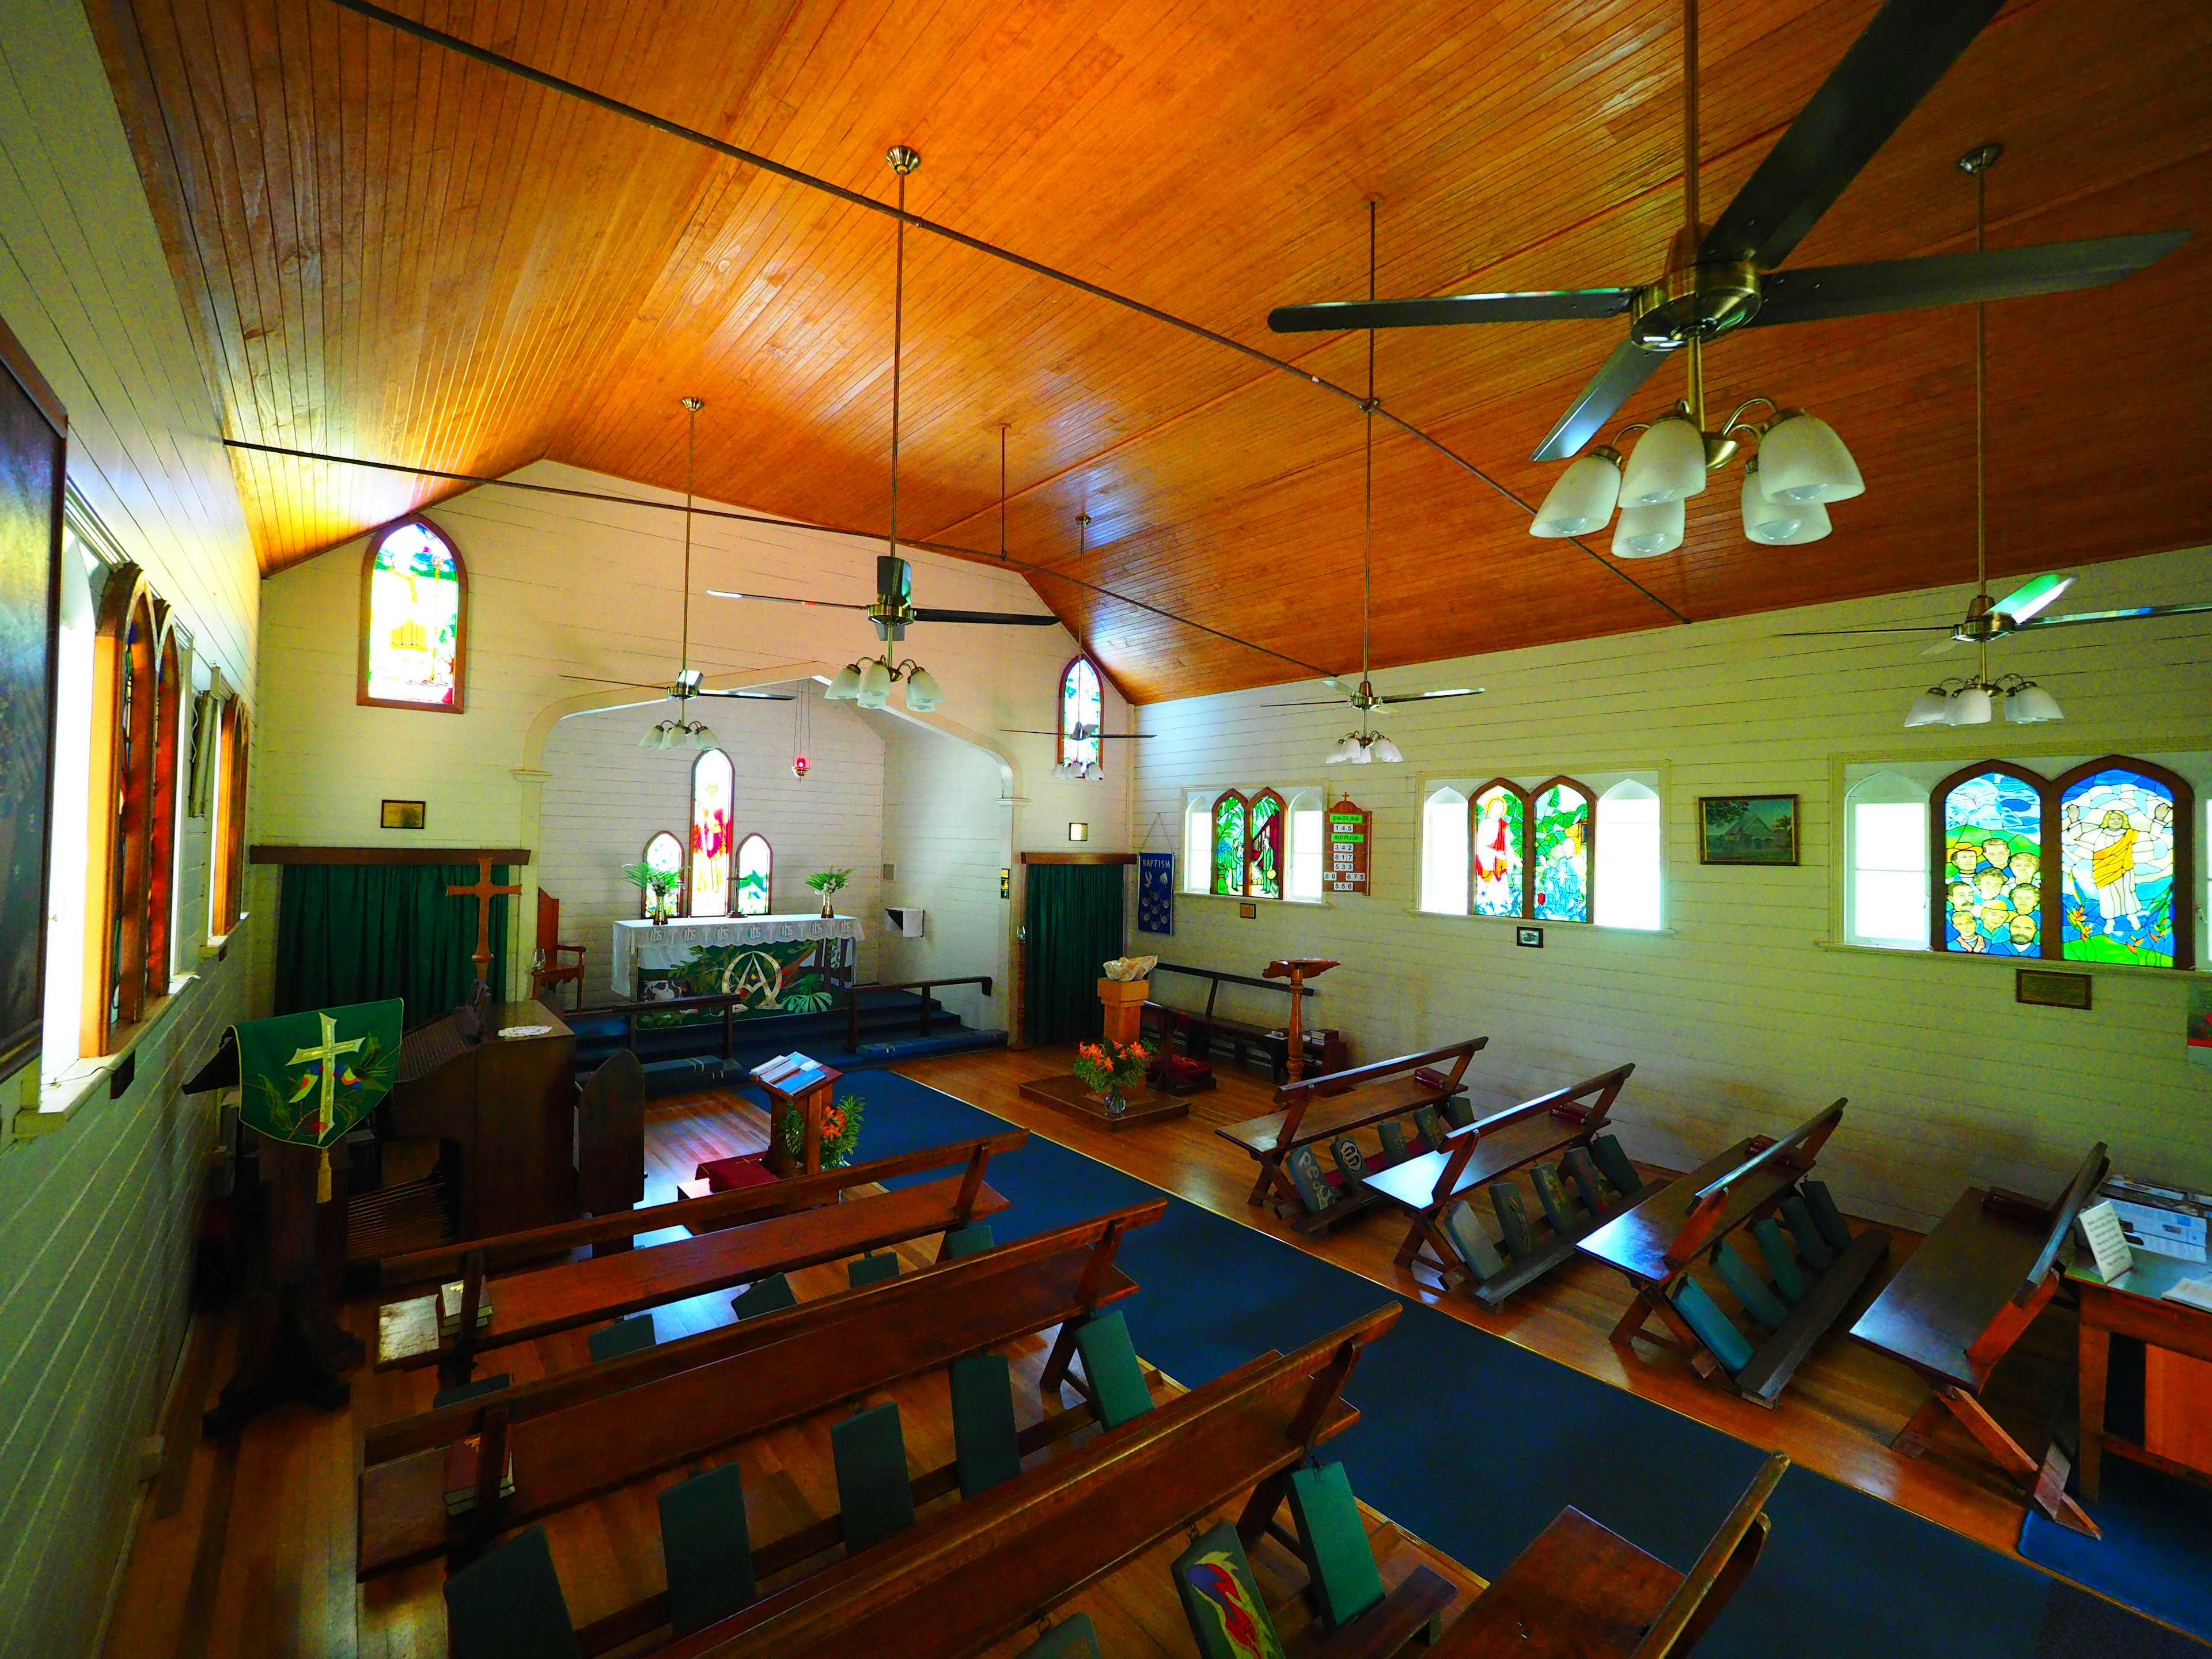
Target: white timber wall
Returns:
[98, 1214]
[1743, 1015]
[945, 837]
[607, 798]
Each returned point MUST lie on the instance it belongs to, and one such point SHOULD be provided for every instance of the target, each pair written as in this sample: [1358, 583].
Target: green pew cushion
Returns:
[871, 1269]
[1798, 1217]
[1757, 1296]
[1505, 1199]
[1349, 1160]
[1822, 1203]
[1431, 1125]
[1472, 1243]
[1781, 1260]
[508, 1604]
[875, 1493]
[1578, 1168]
[1314, 1190]
[708, 1548]
[1553, 1197]
[1073, 1638]
[1727, 1344]
[1332, 1536]
[968, 1240]
[482, 1386]
[1109, 1365]
[986, 1445]
[1605, 1149]
[624, 1336]
[1221, 1598]
[764, 1296]
[1394, 1150]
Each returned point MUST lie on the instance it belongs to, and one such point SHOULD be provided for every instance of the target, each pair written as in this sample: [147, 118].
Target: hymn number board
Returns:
[1351, 832]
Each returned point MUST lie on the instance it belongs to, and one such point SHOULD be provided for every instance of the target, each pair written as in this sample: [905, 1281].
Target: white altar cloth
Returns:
[641, 943]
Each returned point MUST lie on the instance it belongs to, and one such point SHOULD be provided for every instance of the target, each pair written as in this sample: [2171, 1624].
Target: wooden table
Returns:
[2132, 1307]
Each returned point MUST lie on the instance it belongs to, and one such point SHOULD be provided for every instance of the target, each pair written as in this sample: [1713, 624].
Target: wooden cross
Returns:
[481, 892]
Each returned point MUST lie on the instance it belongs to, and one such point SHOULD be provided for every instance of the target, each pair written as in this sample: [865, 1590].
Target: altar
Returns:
[794, 965]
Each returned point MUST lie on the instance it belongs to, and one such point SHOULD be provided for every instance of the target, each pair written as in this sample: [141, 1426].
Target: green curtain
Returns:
[361, 933]
[1074, 927]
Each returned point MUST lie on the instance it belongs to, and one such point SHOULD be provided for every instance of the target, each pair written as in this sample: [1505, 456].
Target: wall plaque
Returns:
[1351, 834]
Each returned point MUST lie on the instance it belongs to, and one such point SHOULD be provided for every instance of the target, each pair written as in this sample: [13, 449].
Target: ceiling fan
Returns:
[1987, 620]
[1722, 277]
[894, 611]
[1366, 745]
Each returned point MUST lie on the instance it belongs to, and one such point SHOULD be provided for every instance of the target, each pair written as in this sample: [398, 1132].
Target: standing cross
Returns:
[481, 892]
[325, 1058]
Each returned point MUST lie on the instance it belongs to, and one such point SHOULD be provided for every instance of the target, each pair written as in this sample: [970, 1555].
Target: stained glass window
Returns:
[2118, 835]
[1082, 714]
[1264, 858]
[713, 782]
[1499, 841]
[663, 852]
[414, 604]
[1560, 880]
[1228, 844]
[755, 860]
[1992, 875]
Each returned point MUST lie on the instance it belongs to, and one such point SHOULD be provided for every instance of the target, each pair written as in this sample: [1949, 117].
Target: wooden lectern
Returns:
[1123, 1002]
[1297, 971]
[809, 1103]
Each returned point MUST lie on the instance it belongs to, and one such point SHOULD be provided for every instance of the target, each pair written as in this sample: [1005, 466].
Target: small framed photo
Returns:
[402, 815]
[1531, 937]
[1746, 829]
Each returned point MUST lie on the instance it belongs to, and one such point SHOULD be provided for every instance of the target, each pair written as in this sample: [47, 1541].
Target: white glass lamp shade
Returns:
[845, 685]
[1800, 459]
[1344, 750]
[2031, 704]
[1362, 754]
[702, 737]
[1094, 773]
[921, 691]
[1772, 522]
[875, 685]
[655, 736]
[1813, 525]
[1666, 464]
[1968, 707]
[1930, 707]
[1387, 751]
[1645, 532]
[1583, 498]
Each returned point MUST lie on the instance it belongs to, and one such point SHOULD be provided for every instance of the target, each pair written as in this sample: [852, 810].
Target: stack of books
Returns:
[793, 1073]
[449, 1310]
[461, 1476]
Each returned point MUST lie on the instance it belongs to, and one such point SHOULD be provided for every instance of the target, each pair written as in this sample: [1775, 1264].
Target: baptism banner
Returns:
[1156, 892]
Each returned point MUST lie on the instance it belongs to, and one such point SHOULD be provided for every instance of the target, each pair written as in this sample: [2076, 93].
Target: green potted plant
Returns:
[658, 884]
[828, 883]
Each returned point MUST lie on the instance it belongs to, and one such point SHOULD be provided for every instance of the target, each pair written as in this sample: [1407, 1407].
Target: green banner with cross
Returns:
[308, 1078]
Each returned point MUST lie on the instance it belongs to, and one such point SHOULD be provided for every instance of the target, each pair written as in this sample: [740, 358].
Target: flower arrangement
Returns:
[1109, 1069]
[658, 884]
[841, 1131]
[829, 883]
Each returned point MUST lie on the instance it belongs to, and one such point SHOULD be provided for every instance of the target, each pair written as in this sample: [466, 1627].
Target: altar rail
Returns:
[929, 1007]
[728, 1003]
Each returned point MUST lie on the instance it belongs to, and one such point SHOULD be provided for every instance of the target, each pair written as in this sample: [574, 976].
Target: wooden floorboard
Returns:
[247, 1553]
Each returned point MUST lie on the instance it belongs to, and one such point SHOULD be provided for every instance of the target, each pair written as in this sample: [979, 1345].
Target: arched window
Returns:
[1307, 840]
[1498, 850]
[1987, 825]
[1562, 866]
[227, 825]
[1228, 845]
[161, 818]
[414, 620]
[664, 852]
[755, 864]
[1444, 853]
[1082, 714]
[1628, 817]
[1885, 862]
[713, 785]
[1265, 828]
[2125, 857]
[125, 700]
[1198, 845]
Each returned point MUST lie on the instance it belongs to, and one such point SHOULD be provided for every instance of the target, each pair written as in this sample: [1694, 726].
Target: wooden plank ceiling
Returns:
[393, 251]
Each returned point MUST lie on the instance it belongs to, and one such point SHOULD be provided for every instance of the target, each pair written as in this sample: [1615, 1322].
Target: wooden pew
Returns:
[1426, 1186]
[977, 1573]
[739, 1236]
[1655, 1244]
[1316, 1110]
[572, 1437]
[1962, 1301]
[1582, 1591]
[1199, 1027]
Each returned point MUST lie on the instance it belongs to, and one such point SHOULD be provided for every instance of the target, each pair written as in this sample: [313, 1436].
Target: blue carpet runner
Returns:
[1475, 1444]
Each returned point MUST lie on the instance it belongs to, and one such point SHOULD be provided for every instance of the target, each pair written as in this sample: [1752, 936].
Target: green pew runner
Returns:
[574, 1436]
[1804, 1280]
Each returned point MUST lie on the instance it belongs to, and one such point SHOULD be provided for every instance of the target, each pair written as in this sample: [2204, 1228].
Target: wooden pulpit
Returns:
[808, 1102]
[1297, 971]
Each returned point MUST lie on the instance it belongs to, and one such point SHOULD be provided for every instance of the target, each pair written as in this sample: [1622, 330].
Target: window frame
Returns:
[461, 620]
[2184, 888]
[682, 872]
[692, 853]
[125, 653]
[162, 842]
[1081, 660]
[1915, 794]
[1646, 791]
[1293, 846]
[1213, 844]
[1939, 855]
[737, 871]
[1590, 855]
[1254, 830]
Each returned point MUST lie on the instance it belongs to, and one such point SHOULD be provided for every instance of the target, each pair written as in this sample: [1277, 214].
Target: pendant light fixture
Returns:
[681, 732]
[802, 729]
[1972, 702]
[868, 681]
[1366, 745]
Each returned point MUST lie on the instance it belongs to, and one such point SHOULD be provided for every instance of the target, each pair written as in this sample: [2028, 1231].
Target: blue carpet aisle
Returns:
[1474, 1443]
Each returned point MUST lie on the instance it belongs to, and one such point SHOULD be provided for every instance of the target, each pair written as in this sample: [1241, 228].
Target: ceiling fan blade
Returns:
[1001, 619]
[778, 599]
[753, 696]
[1889, 69]
[2133, 613]
[1431, 696]
[1318, 703]
[1834, 633]
[1814, 294]
[1942, 646]
[2032, 596]
[1537, 305]
[1629, 367]
[637, 685]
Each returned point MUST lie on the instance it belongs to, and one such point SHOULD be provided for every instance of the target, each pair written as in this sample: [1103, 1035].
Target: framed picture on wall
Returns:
[1746, 829]
[34, 438]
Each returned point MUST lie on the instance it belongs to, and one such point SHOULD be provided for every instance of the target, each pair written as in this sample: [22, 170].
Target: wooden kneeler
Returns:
[1957, 1306]
[1810, 1275]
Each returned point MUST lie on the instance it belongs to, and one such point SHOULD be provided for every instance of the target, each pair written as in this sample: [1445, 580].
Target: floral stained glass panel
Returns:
[1993, 867]
[2117, 832]
[664, 852]
[753, 862]
[414, 619]
[1082, 714]
[1500, 847]
[1229, 844]
[1264, 874]
[1563, 862]
[713, 784]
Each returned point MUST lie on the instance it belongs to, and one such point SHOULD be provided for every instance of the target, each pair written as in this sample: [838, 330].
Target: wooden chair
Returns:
[1656, 1242]
[575, 1435]
[983, 1571]
[552, 965]
[1581, 1591]
[739, 1236]
[1316, 1110]
[1960, 1304]
[1429, 1187]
